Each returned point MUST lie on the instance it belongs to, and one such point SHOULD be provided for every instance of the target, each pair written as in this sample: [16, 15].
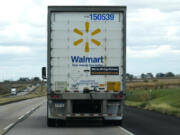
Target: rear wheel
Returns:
[113, 122]
[118, 122]
[55, 122]
[51, 122]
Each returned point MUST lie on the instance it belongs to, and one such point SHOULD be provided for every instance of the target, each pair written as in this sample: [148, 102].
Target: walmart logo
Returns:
[97, 43]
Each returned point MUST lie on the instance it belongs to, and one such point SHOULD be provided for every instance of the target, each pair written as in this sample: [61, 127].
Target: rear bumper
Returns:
[110, 110]
[86, 105]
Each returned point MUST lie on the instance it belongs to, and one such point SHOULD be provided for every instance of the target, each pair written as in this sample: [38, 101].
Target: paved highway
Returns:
[25, 91]
[11, 112]
[36, 125]
[139, 122]
[142, 122]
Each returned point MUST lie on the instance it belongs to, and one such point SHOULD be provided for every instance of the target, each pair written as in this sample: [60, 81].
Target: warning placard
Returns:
[114, 86]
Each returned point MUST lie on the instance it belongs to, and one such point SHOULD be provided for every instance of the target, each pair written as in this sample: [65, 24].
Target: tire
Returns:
[113, 122]
[118, 122]
[51, 122]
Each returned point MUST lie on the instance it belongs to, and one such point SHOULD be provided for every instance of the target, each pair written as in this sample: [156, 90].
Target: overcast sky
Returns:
[153, 30]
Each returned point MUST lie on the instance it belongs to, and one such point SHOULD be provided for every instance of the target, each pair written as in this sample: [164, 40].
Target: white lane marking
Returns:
[21, 117]
[126, 131]
[9, 126]
[27, 112]
[32, 109]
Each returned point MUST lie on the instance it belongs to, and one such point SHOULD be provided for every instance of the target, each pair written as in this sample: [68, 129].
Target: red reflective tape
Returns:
[110, 114]
[91, 114]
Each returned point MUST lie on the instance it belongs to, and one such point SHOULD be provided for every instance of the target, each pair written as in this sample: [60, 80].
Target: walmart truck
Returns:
[86, 63]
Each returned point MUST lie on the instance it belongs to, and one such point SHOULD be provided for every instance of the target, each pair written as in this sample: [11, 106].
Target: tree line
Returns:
[25, 79]
[150, 75]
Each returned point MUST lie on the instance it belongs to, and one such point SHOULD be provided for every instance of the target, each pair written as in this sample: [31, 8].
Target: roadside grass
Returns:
[36, 93]
[153, 84]
[4, 95]
[20, 88]
[166, 101]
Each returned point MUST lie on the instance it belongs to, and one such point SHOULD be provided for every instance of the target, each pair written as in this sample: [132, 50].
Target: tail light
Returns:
[76, 90]
[55, 96]
[52, 96]
[115, 96]
[121, 96]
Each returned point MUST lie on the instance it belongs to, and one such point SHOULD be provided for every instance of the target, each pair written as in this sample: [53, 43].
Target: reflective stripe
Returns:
[113, 104]
[77, 114]
[88, 115]
[77, 91]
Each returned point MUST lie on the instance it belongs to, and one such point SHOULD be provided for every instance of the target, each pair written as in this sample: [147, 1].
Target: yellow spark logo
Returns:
[87, 43]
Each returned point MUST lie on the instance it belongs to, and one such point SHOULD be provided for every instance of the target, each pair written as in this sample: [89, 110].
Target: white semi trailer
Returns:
[13, 91]
[86, 63]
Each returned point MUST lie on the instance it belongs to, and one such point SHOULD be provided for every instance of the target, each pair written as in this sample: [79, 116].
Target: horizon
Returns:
[152, 36]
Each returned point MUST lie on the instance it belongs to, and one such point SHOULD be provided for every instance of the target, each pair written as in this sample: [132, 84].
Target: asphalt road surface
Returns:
[27, 90]
[139, 122]
[142, 122]
[11, 112]
[36, 125]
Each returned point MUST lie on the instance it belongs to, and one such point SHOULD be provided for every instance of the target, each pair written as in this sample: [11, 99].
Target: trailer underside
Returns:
[107, 107]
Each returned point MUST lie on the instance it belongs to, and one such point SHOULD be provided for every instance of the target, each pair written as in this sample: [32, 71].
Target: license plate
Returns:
[59, 105]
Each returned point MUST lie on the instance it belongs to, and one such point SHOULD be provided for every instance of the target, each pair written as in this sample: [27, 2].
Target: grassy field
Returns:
[37, 93]
[4, 89]
[153, 84]
[164, 100]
